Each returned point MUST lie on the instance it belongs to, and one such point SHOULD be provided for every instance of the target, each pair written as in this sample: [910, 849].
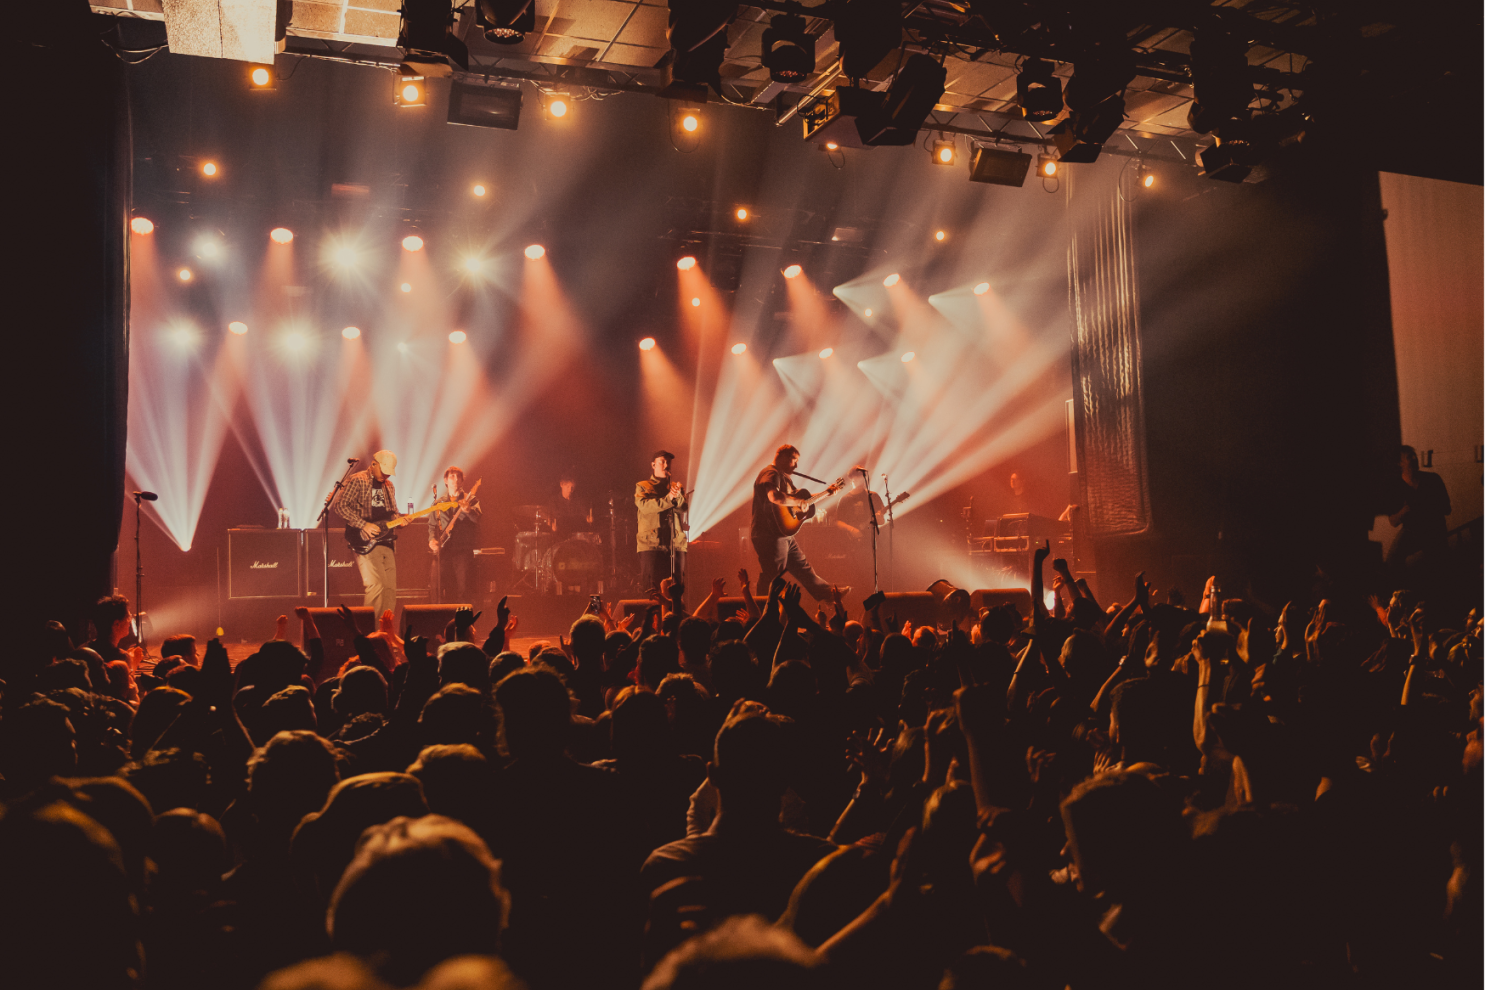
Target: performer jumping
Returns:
[662, 536]
[773, 536]
[367, 503]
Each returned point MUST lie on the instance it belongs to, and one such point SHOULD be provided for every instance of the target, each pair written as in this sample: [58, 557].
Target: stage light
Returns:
[412, 242]
[944, 153]
[535, 251]
[982, 288]
[183, 335]
[142, 225]
[411, 90]
[208, 248]
[507, 21]
[345, 256]
[686, 264]
[295, 341]
[406, 286]
[940, 235]
[209, 169]
[999, 167]
[427, 38]
[1095, 104]
[184, 274]
[479, 189]
[690, 120]
[1148, 180]
[458, 337]
[742, 213]
[695, 300]
[281, 235]
[739, 348]
[351, 333]
[868, 311]
[793, 271]
[472, 265]
[831, 146]
[1038, 90]
[915, 90]
[648, 344]
[826, 352]
[238, 327]
[788, 49]
[260, 77]
[1046, 165]
[557, 106]
[402, 347]
[891, 280]
[908, 357]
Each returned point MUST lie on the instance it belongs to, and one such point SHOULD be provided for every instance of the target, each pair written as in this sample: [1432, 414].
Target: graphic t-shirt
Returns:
[381, 510]
[765, 522]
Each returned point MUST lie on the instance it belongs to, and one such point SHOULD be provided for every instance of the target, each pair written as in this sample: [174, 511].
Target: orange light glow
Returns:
[458, 337]
[793, 271]
[281, 235]
[648, 344]
[238, 327]
[558, 107]
[982, 288]
[908, 357]
[742, 213]
[686, 264]
[406, 287]
[479, 189]
[412, 242]
[535, 251]
[142, 225]
[739, 348]
[184, 274]
[209, 169]
[351, 333]
[826, 352]
[690, 120]
[939, 235]
[695, 300]
[891, 280]
[260, 76]
[1149, 180]
[868, 311]
[411, 93]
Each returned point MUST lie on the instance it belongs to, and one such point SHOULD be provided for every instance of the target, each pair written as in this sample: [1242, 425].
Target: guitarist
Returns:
[455, 547]
[777, 552]
[367, 503]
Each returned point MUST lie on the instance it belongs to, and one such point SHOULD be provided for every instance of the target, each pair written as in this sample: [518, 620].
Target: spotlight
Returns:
[183, 335]
[1148, 180]
[535, 251]
[831, 146]
[507, 21]
[427, 39]
[944, 153]
[281, 235]
[698, 43]
[406, 287]
[826, 352]
[142, 225]
[557, 106]
[345, 256]
[891, 280]
[184, 274]
[739, 348]
[458, 337]
[238, 327]
[982, 288]
[474, 103]
[793, 271]
[915, 91]
[742, 213]
[479, 189]
[999, 167]
[690, 120]
[209, 169]
[868, 31]
[868, 311]
[1046, 165]
[695, 300]
[686, 264]
[908, 357]
[402, 347]
[412, 242]
[648, 344]
[1038, 91]
[788, 49]
[411, 90]
[295, 341]
[472, 265]
[1219, 79]
[261, 77]
[940, 235]
[351, 333]
[1095, 103]
[208, 248]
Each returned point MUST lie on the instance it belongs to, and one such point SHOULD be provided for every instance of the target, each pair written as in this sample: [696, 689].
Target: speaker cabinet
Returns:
[900, 606]
[730, 606]
[429, 620]
[995, 597]
[338, 643]
[263, 563]
[414, 561]
[345, 575]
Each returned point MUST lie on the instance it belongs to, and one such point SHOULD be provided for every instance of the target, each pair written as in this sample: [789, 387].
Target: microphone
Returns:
[147, 496]
[353, 460]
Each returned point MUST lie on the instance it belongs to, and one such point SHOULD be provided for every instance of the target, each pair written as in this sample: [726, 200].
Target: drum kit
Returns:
[551, 562]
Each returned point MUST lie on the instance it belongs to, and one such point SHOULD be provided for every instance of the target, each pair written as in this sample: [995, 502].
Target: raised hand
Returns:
[792, 609]
[870, 753]
[1043, 552]
[1142, 591]
[216, 674]
[719, 587]
[502, 611]
[281, 629]
[349, 618]
[742, 578]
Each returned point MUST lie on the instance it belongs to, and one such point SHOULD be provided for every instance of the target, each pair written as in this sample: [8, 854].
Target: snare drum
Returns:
[575, 566]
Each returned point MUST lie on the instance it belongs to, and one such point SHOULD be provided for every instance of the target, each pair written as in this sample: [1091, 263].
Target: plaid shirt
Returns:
[353, 504]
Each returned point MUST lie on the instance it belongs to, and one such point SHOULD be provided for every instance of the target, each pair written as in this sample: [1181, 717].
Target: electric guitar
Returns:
[860, 534]
[363, 544]
[790, 518]
[466, 500]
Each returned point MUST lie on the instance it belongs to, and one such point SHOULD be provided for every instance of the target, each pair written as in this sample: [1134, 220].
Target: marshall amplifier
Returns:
[345, 575]
[263, 563]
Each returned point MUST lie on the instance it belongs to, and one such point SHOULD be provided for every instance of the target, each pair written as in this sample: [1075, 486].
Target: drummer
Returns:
[570, 514]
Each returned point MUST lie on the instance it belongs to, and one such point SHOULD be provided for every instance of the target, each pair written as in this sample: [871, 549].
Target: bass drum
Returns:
[575, 567]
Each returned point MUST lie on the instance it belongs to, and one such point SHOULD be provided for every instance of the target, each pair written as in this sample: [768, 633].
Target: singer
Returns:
[777, 551]
[366, 503]
[662, 532]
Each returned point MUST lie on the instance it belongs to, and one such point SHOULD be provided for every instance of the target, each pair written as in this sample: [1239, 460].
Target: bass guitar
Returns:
[790, 518]
[363, 544]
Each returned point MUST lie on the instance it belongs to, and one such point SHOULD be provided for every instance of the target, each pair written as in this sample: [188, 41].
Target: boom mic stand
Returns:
[876, 581]
[891, 530]
[139, 616]
[324, 520]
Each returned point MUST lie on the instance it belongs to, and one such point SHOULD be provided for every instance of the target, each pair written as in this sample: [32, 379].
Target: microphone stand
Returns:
[876, 581]
[350, 465]
[139, 579]
[891, 530]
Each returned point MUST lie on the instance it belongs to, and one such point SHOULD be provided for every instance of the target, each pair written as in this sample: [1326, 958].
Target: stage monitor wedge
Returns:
[479, 104]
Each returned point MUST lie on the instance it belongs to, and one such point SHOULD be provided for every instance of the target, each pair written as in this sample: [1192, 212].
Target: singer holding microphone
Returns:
[662, 533]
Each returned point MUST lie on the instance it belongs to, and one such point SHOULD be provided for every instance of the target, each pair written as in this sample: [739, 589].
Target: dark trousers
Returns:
[654, 567]
[783, 556]
[454, 568]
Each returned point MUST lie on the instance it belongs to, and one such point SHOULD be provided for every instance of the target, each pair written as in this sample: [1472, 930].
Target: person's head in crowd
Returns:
[742, 953]
[1125, 836]
[59, 675]
[55, 640]
[181, 645]
[1086, 614]
[170, 778]
[897, 652]
[988, 967]
[185, 678]
[120, 681]
[791, 688]
[641, 731]
[289, 777]
[362, 690]
[658, 656]
[165, 665]
[189, 850]
[110, 618]
[736, 674]
[694, 639]
[950, 828]
[279, 663]
[325, 840]
[463, 663]
[535, 714]
[615, 645]
[555, 660]
[729, 629]
[157, 712]
[455, 714]
[925, 638]
[457, 782]
[689, 706]
[1138, 722]
[505, 664]
[586, 640]
[750, 765]
[116, 805]
[1000, 624]
[291, 709]
[419, 891]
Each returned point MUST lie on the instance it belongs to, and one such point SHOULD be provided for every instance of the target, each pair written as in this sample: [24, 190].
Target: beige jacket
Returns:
[650, 506]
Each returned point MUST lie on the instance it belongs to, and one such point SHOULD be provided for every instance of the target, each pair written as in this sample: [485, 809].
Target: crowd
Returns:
[1140, 795]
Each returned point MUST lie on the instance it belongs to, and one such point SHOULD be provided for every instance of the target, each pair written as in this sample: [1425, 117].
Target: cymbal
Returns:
[531, 510]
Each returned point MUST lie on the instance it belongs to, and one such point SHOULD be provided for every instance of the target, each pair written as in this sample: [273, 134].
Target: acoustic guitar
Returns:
[790, 518]
[363, 545]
